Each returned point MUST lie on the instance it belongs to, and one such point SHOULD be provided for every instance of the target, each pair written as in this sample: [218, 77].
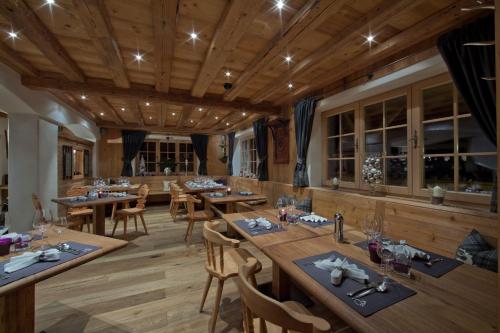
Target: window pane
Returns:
[462, 107]
[438, 102]
[144, 146]
[163, 146]
[438, 171]
[374, 142]
[152, 146]
[333, 169]
[347, 170]
[396, 141]
[171, 146]
[476, 173]
[151, 157]
[348, 146]
[182, 146]
[438, 137]
[333, 125]
[333, 147]
[150, 167]
[395, 111]
[189, 147]
[347, 122]
[396, 171]
[471, 137]
[374, 116]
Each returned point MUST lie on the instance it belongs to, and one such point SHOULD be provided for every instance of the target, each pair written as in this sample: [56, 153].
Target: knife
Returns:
[370, 285]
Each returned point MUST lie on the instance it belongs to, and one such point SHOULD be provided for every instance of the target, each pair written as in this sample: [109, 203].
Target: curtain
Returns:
[230, 152]
[200, 142]
[260, 134]
[304, 118]
[132, 142]
[86, 163]
[67, 159]
[467, 65]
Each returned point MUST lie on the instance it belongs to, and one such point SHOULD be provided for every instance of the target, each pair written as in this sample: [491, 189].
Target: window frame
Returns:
[246, 156]
[158, 153]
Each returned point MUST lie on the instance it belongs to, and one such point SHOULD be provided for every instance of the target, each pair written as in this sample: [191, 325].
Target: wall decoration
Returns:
[281, 140]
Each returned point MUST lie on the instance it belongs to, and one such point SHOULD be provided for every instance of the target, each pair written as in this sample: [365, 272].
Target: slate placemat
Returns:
[44, 265]
[258, 230]
[437, 269]
[395, 293]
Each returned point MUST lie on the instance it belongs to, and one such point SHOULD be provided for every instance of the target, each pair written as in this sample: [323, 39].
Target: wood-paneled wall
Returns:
[111, 154]
[282, 173]
[435, 228]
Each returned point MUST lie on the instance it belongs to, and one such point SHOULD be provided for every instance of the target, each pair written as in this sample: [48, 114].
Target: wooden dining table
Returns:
[230, 200]
[463, 300]
[198, 190]
[17, 299]
[98, 206]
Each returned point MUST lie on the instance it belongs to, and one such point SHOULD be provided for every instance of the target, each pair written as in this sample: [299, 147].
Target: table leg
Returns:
[17, 311]
[99, 220]
[281, 283]
[231, 232]
[113, 212]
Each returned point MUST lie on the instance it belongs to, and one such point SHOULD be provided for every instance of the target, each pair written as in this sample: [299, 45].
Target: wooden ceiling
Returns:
[77, 48]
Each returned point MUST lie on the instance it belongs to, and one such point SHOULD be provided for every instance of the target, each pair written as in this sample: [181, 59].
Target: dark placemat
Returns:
[437, 270]
[44, 265]
[315, 224]
[257, 231]
[395, 293]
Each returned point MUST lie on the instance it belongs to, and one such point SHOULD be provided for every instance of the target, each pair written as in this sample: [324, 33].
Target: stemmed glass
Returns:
[60, 226]
[41, 223]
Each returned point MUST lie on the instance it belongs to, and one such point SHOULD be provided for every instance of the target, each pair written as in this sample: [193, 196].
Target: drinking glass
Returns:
[60, 226]
[402, 260]
[385, 252]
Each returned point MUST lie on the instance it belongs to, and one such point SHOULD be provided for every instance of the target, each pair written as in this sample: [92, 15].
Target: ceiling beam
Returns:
[372, 21]
[24, 19]
[73, 103]
[105, 106]
[220, 121]
[186, 113]
[309, 17]
[157, 129]
[136, 111]
[162, 116]
[244, 124]
[432, 26]
[93, 15]
[14, 60]
[144, 92]
[202, 119]
[165, 14]
[236, 20]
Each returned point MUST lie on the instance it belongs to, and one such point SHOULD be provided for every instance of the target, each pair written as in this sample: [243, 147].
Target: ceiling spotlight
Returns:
[173, 113]
[370, 39]
[200, 109]
[288, 59]
[150, 117]
[193, 35]
[216, 117]
[102, 114]
[191, 121]
[280, 4]
[227, 74]
[83, 97]
[290, 85]
[50, 2]
[147, 104]
[244, 114]
[138, 57]
[123, 109]
[12, 35]
[227, 124]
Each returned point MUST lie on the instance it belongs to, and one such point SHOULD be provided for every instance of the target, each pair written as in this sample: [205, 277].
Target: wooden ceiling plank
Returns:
[201, 121]
[16, 61]
[24, 19]
[434, 25]
[133, 106]
[186, 114]
[146, 93]
[93, 15]
[163, 116]
[236, 20]
[156, 129]
[372, 21]
[165, 13]
[105, 106]
[243, 124]
[309, 17]
[73, 103]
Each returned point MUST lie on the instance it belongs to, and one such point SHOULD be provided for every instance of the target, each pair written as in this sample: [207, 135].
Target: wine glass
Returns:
[60, 226]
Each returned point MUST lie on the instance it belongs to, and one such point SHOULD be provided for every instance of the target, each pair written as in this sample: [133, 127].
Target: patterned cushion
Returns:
[487, 259]
[305, 205]
[474, 250]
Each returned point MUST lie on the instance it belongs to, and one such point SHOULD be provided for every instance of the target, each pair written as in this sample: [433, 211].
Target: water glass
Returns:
[402, 260]
[385, 252]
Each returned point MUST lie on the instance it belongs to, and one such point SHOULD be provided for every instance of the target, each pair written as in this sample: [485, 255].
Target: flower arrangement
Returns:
[371, 171]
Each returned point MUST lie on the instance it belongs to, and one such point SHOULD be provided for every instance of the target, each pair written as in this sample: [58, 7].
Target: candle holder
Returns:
[228, 191]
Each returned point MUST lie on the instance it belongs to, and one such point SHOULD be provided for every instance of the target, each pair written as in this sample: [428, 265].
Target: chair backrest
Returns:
[76, 191]
[143, 196]
[36, 202]
[267, 309]
[215, 240]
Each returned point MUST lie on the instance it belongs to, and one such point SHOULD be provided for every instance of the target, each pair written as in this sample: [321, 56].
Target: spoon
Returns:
[65, 247]
[370, 285]
[433, 261]
[381, 288]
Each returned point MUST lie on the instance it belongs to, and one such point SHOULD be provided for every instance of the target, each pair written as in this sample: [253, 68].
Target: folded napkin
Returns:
[13, 236]
[261, 222]
[246, 193]
[402, 248]
[29, 258]
[341, 268]
[216, 195]
[313, 218]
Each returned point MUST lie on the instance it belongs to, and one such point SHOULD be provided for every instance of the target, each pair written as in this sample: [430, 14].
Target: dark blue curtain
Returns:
[132, 142]
[260, 134]
[200, 142]
[467, 66]
[230, 152]
[304, 118]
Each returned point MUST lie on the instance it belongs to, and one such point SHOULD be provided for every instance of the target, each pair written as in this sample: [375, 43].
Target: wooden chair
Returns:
[222, 266]
[195, 216]
[176, 199]
[72, 224]
[81, 213]
[138, 210]
[270, 315]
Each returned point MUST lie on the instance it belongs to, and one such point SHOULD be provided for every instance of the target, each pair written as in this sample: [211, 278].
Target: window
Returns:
[424, 134]
[248, 157]
[158, 155]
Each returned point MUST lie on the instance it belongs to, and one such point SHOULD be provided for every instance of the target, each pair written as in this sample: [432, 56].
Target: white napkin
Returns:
[29, 258]
[313, 218]
[261, 222]
[341, 268]
[401, 248]
[13, 236]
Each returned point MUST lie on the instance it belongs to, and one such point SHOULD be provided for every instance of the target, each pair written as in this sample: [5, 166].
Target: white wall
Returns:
[4, 126]
[47, 164]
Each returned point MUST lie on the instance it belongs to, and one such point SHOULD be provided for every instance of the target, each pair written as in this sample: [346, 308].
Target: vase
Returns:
[373, 189]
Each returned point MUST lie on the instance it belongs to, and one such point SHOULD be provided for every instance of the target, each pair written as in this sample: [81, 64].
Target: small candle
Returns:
[335, 181]
[228, 190]
[372, 249]
[437, 192]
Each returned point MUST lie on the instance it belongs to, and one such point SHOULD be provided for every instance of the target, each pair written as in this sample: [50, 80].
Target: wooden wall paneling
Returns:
[214, 152]
[110, 154]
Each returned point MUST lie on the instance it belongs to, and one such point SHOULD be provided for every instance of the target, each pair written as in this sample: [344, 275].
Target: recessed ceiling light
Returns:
[173, 113]
[138, 57]
[200, 109]
[290, 85]
[150, 117]
[370, 39]
[244, 114]
[147, 104]
[280, 4]
[227, 74]
[13, 35]
[288, 59]
[50, 2]
[193, 35]
[102, 114]
[216, 117]
[123, 109]
[191, 121]
[227, 124]
[83, 97]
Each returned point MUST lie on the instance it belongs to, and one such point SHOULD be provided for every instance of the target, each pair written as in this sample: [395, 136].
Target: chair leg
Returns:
[135, 222]
[143, 223]
[205, 292]
[113, 212]
[187, 238]
[215, 314]
[125, 220]
[87, 220]
[175, 207]
[114, 227]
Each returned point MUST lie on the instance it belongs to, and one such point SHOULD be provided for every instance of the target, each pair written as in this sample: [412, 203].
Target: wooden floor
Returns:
[153, 285]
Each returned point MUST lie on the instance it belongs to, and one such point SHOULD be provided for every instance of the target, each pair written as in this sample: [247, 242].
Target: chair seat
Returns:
[202, 215]
[271, 328]
[130, 211]
[180, 198]
[233, 258]
[80, 212]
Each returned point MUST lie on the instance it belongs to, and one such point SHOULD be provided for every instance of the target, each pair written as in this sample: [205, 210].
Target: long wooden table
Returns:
[463, 300]
[98, 206]
[198, 190]
[231, 199]
[17, 299]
